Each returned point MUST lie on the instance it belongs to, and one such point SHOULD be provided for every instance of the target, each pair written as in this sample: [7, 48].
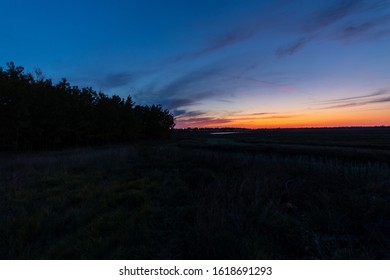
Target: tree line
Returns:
[35, 113]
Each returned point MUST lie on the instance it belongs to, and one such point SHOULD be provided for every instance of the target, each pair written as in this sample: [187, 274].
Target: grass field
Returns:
[266, 194]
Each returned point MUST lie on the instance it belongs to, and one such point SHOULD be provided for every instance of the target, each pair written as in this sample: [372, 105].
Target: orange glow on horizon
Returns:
[315, 119]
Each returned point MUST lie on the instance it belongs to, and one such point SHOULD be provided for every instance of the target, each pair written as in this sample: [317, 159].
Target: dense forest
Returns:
[35, 113]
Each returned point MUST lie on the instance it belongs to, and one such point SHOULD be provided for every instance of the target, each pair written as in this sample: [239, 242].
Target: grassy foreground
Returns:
[266, 195]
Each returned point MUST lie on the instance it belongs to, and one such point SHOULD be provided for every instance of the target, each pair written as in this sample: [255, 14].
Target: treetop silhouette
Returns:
[37, 114]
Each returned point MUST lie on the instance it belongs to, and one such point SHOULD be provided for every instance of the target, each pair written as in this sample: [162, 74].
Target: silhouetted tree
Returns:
[36, 114]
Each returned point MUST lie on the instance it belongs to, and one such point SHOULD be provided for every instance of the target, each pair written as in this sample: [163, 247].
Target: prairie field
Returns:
[262, 194]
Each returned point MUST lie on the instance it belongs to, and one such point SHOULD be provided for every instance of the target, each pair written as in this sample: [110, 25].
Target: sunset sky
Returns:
[231, 63]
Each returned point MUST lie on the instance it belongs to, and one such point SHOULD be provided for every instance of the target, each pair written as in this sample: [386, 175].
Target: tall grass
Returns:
[190, 199]
[298, 206]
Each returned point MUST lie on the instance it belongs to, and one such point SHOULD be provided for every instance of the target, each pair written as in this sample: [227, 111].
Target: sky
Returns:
[214, 63]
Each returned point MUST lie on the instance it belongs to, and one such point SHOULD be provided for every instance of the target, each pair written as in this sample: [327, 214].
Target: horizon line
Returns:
[271, 128]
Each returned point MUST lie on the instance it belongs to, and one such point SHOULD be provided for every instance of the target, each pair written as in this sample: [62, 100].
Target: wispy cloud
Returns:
[354, 30]
[191, 82]
[356, 101]
[280, 117]
[185, 90]
[263, 82]
[204, 122]
[342, 20]
[265, 116]
[353, 98]
[332, 14]
[213, 81]
[235, 119]
[377, 26]
[238, 30]
[224, 40]
[294, 47]
[181, 113]
[113, 80]
[314, 24]
[175, 103]
[361, 103]
[262, 113]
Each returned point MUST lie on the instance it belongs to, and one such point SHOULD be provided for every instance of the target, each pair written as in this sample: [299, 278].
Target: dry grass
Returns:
[215, 199]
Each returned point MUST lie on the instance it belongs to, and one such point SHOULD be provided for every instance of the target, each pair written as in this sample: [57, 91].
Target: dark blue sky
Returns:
[247, 63]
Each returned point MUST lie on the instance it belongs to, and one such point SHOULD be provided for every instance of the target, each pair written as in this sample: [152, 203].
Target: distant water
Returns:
[223, 132]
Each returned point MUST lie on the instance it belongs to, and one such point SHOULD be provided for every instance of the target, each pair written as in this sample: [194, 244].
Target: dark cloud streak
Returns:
[225, 40]
[244, 29]
[357, 100]
[341, 100]
[294, 47]
[340, 11]
[319, 21]
[116, 79]
[230, 38]
[374, 26]
[186, 90]
[332, 14]
[186, 114]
